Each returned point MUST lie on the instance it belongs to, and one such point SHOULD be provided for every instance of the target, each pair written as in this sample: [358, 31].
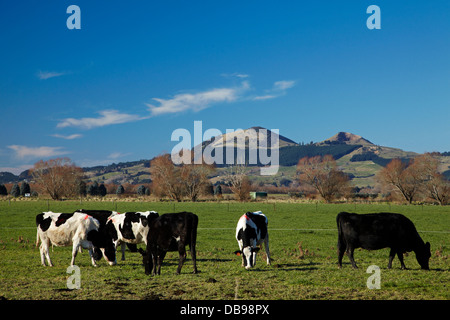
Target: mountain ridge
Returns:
[347, 138]
[356, 155]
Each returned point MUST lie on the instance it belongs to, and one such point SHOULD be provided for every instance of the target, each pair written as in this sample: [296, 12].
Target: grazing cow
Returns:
[130, 228]
[127, 229]
[380, 230]
[251, 231]
[76, 229]
[170, 232]
[103, 217]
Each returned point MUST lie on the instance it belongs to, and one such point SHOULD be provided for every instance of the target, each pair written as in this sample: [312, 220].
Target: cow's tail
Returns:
[37, 237]
[342, 245]
[194, 231]
[193, 242]
[39, 219]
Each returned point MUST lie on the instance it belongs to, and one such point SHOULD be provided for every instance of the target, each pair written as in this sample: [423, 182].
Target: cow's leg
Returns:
[341, 248]
[88, 245]
[123, 247]
[350, 251]
[47, 256]
[242, 254]
[391, 257]
[161, 255]
[42, 254]
[154, 258]
[193, 256]
[45, 252]
[400, 257]
[266, 246]
[41, 248]
[181, 257]
[75, 247]
[91, 254]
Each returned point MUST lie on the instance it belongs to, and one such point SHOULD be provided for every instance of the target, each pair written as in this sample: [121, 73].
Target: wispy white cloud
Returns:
[117, 155]
[179, 103]
[196, 101]
[22, 152]
[235, 74]
[265, 97]
[69, 137]
[44, 75]
[279, 88]
[107, 117]
[283, 85]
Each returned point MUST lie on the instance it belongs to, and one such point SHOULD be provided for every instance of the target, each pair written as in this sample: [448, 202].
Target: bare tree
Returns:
[239, 182]
[402, 177]
[177, 181]
[58, 177]
[166, 177]
[323, 174]
[195, 179]
[434, 184]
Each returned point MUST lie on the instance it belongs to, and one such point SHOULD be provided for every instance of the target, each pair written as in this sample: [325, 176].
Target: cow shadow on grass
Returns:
[296, 267]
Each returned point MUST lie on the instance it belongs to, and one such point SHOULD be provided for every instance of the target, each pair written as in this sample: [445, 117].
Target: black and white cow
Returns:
[251, 231]
[170, 232]
[103, 217]
[77, 229]
[127, 229]
[130, 228]
[375, 231]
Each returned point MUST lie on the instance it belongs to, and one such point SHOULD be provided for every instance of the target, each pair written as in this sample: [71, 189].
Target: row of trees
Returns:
[419, 178]
[61, 178]
[192, 180]
[16, 191]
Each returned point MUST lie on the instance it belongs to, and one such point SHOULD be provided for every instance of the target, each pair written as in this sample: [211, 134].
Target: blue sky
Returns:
[116, 89]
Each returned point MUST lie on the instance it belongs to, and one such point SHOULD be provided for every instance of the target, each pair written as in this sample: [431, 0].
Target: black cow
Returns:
[380, 230]
[170, 232]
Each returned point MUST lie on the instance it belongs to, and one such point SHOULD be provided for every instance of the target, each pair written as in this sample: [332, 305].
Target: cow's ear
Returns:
[238, 253]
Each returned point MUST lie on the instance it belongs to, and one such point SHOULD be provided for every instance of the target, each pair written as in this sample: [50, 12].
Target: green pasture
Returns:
[302, 243]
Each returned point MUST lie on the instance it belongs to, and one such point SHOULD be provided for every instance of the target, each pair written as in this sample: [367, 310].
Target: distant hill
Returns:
[290, 155]
[244, 138]
[346, 138]
[8, 177]
[357, 156]
[133, 172]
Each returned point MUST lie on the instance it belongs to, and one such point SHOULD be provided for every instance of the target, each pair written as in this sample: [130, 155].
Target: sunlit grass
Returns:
[303, 241]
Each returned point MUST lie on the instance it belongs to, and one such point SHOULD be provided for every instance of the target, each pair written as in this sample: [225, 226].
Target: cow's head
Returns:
[248, 256]
[423, 255]
[146, 261]
[103, 246]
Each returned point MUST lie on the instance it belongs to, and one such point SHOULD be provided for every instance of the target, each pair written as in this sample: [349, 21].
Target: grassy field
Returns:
[303, 247]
